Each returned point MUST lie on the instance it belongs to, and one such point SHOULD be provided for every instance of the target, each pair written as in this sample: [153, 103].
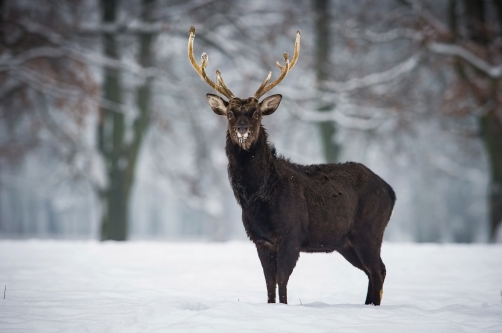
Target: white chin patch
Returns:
[242, 136]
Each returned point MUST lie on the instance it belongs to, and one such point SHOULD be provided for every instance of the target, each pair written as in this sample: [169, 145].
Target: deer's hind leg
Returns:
[368, 252]
[350, 255]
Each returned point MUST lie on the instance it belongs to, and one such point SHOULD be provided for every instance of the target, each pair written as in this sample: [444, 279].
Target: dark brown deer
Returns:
[289, 208]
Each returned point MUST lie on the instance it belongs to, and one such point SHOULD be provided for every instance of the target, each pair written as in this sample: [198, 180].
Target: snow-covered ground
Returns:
[206, 287]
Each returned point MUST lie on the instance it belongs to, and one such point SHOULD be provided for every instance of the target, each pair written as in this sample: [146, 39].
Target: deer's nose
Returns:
[242, 129]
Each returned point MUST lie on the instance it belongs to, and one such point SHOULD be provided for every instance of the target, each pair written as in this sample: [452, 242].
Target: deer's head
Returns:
[243, 115]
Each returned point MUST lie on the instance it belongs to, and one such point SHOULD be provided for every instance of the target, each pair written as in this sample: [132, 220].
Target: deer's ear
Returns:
[218, 105]
[270, 104]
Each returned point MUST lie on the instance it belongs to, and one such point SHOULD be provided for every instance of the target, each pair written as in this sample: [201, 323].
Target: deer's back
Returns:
[340, 199]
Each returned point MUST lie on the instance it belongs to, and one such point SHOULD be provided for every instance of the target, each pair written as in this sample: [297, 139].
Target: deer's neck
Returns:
[250, 171]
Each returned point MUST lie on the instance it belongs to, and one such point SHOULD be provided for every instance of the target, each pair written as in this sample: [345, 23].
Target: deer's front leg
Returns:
[267, 255]
[287, 256]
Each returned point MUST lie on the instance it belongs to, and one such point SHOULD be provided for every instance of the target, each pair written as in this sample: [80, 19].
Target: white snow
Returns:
[55, 286]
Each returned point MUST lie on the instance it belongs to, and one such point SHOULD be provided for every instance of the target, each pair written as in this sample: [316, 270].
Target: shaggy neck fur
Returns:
[252, 171]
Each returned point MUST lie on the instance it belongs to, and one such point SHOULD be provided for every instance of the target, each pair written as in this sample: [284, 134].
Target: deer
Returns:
[288, 208]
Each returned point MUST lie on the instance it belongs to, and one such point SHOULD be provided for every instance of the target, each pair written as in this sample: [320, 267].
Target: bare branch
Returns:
[418, 8]
[40, 29]
[65, 48]
[52, 87]
[374, 78]
[45, 84]
[89, 57]
[458, 51]
[493, 71]
[135, 27]
[381, 37]
[379, 117]
[456, 170]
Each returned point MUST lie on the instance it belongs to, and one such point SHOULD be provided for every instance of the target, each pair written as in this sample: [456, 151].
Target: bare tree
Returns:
[468, 34]
[31, 68]
[471, 29]
[45, 102]
[119, 152]
[458, 43]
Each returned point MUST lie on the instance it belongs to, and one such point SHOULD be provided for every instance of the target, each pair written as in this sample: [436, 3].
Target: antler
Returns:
[201, 70]
[264, 88]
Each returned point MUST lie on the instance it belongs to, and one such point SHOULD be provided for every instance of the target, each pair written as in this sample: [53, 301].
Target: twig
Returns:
[301, 304]
[4, 291]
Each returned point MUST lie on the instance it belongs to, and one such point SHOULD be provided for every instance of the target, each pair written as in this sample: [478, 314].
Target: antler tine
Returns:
[264, 88]
[258, 92]
[222, 84]
[296, 54]
[201, 70]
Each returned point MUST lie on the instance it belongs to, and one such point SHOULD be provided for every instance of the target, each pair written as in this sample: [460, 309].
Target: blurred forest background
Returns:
[105, 131]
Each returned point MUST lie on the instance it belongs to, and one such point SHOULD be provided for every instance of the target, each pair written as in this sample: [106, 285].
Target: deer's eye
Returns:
[256, 115]
[230, 115]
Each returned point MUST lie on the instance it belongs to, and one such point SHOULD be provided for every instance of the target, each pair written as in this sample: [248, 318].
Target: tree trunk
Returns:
[322, 44]
[143, 94]
[491, 122]
[110, 139]
[121, 156]
[491, 134]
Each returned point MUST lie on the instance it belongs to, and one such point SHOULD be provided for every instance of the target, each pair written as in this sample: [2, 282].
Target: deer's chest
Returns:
[256, 220]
